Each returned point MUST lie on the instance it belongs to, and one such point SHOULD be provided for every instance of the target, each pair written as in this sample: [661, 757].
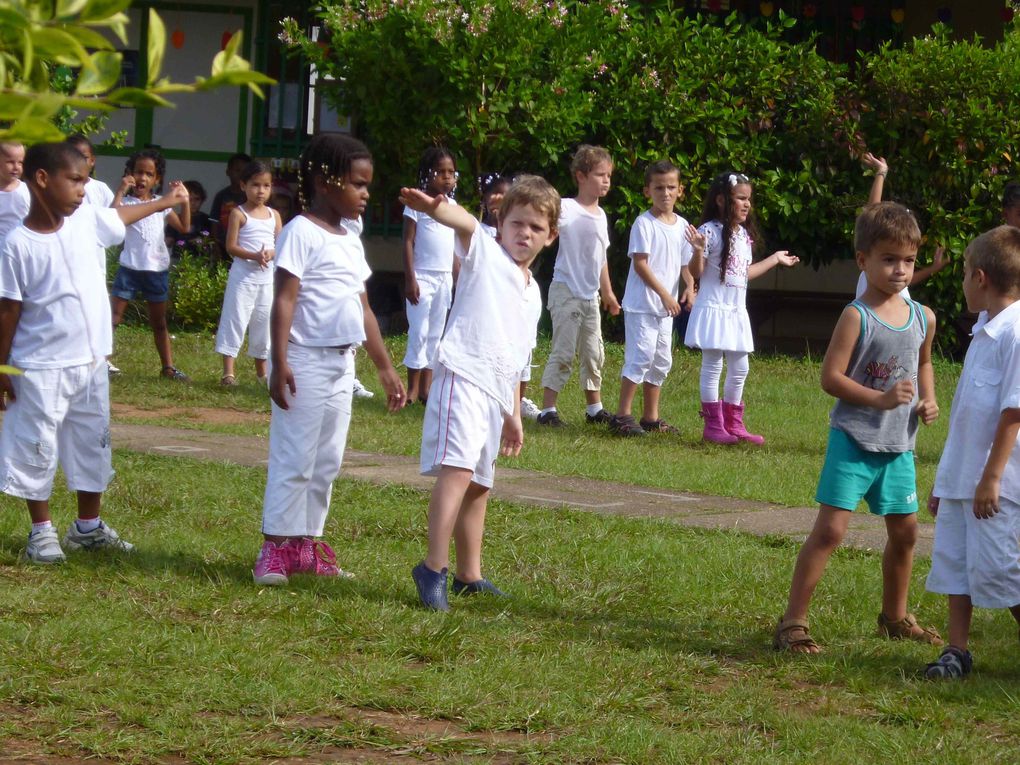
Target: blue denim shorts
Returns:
[885, 480]
[154, 286]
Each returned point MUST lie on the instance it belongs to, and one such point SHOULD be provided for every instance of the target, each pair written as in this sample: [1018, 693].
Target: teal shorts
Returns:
[885, 480]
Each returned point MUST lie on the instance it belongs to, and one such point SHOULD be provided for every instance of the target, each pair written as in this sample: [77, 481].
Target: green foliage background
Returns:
[516, 85]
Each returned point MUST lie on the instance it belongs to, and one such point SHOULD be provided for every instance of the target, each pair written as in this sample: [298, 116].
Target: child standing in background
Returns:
[145, 259]
[719, 324]
[428, 272]
[229, 197]
[659, 283]
[491, 188]
[14, 196]
[96, 192]
[320, 313]
[251, 241]
[580, 275]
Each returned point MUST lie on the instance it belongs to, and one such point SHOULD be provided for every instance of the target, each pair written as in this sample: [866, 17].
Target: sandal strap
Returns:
[782, 640]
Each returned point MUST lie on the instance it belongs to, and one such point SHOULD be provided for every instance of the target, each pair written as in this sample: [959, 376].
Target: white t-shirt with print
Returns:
[145, 243]
[13, 208]
[668, 251]
[433, 242]
[65, 310]
[489, 334]
[584, 239]
[332, 269]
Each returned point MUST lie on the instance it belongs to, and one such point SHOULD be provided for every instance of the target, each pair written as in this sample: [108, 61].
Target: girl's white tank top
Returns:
[254, 234]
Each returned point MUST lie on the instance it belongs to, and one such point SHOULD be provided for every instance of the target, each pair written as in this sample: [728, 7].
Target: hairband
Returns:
[737, 178]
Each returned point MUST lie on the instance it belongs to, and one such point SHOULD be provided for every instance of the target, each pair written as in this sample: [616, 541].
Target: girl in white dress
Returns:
[719, 324]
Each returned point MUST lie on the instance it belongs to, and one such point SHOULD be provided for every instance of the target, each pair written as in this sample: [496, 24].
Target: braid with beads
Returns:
[331, 156]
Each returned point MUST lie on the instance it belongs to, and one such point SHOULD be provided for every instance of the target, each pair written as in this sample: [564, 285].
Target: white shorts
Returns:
[245, 305]
[307, 441]
[648, 353]
[526, 372]
[427, 320]
[463, 428]
[974, 556]
[58, 415]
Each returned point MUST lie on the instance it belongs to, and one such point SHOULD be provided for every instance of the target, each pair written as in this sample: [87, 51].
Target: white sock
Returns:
[594, 409]
[42, 526]
[85, 525]
[546, 411]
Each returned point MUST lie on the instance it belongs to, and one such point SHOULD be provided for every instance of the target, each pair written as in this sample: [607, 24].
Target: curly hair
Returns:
[329, 155]
[158, 161]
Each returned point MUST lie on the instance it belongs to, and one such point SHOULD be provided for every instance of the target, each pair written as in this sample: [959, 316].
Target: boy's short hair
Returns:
[537, 192]
[587, 158]
[662, 167]
[1011, 196]
[885, 222]
[50, 157]
[997, 254]
[196, 188]
[238, 157]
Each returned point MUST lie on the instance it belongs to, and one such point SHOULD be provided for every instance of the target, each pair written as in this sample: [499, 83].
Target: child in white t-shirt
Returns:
[428, 273]
[55, 326]
[580, 275]
[14, 196]
[473, 406]
[97, 193]
[659, 284]
[320, 313]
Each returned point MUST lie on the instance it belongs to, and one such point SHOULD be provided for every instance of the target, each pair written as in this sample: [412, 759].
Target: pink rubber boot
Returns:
[714, 431]
[733, 421]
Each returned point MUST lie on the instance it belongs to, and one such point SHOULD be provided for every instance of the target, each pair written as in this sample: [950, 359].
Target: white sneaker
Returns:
[113, 371]
[529, 410]
[100, 537]
[43, 547]
[360, 391]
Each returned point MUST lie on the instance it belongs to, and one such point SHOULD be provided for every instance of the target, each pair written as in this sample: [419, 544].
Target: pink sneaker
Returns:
[271, 565]
[313, 556]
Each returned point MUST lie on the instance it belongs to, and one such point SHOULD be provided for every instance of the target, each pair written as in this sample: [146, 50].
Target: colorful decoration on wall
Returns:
[177, 39]
[897, 15]
[225, 39]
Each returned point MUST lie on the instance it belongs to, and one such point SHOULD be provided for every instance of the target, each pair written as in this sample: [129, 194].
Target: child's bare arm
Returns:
[410, 282]
[376, 349]
[698, 242]
[10, 314]
[126, 184]
[460, 220]
[234, 223]
[285, 292]
[986, 496]
[609, 301]
[512, 437]
[182, 222]
[939, 261]
[881, 169]
[134, 213]
[927, 406]
[645, 273]
[687, 298]
[777, 258]
[837, 383]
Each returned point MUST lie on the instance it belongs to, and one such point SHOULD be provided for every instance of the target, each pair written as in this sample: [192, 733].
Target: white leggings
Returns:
[711, 370]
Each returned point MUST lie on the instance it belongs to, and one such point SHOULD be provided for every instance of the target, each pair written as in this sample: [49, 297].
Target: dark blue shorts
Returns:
[154, 286]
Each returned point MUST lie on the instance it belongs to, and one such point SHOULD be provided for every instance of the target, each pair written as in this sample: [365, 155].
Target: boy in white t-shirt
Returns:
[474, 404]
[96, 192]
[55, 326]
[14, 197]
[581, 274]
[658, 285]
[976, 497]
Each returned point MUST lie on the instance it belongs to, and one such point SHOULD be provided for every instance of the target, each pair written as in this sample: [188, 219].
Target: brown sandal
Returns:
[907, 628]
[793, 636]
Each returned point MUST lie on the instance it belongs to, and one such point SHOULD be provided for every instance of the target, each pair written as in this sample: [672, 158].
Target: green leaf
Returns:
[103, 10]
[69, 8]
[116, 24]
[136, 97]
[31, 130]
[55, 45]
[102, 73]
[90, 39]
[157, 46]
[10, 19]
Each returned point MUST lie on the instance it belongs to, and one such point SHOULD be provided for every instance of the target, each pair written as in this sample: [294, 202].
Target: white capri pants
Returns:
[306, 441]
[463, 428]
[58, 415]
[648, 353]
[974, 556]
[427, 320]
[245, 305]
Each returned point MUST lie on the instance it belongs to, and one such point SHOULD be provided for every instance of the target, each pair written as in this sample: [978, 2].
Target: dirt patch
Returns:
[198, 414]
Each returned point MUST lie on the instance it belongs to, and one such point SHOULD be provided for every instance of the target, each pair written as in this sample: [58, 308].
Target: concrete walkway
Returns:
[531, 488]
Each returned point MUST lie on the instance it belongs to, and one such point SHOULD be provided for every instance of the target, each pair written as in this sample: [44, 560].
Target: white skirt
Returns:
[719, 327]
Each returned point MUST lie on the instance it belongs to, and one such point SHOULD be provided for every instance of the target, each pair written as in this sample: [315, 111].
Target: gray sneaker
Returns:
[43, 547]
[101, 537]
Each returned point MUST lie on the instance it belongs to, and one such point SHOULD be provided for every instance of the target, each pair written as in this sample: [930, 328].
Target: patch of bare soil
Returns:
[199, 414]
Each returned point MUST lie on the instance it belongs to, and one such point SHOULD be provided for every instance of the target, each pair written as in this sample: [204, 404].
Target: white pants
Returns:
[463, 428]
[648, 353]
[306, 442]
[245, 305]
[59, 415]
[427, 320]
[974, 556]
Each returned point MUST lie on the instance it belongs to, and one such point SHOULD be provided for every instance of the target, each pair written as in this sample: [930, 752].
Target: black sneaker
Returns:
[602, 417]
[625, 425]
[552, 419]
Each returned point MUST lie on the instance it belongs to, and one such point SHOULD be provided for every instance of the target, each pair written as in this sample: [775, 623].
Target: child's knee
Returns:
[902, 531]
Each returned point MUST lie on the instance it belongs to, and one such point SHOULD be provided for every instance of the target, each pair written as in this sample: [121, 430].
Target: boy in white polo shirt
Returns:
[474, 403]
[976, 497]
[55, 326]
[659, 283]
[14, 198]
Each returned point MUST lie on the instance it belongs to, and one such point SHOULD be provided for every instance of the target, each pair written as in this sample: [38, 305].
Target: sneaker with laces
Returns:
[529, 409]
[43, 547]
[602, 417]
[552, 419]
[112, 370]
[313, 556]
[101, 537]
[173, 373]
[271, 565]
[360, 391]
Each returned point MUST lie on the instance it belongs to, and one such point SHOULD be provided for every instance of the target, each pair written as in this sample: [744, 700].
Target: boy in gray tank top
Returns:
[878, 367]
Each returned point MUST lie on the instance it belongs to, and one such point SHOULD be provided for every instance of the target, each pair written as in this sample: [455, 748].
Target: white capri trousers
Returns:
[427, 320]
[648, 353]
[576, 331]
[463, 428]
[58, 415]
[245, 305]
[306, 441]
[974, 556]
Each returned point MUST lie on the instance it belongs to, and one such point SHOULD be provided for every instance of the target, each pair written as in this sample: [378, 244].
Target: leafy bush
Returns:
[196, 291]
